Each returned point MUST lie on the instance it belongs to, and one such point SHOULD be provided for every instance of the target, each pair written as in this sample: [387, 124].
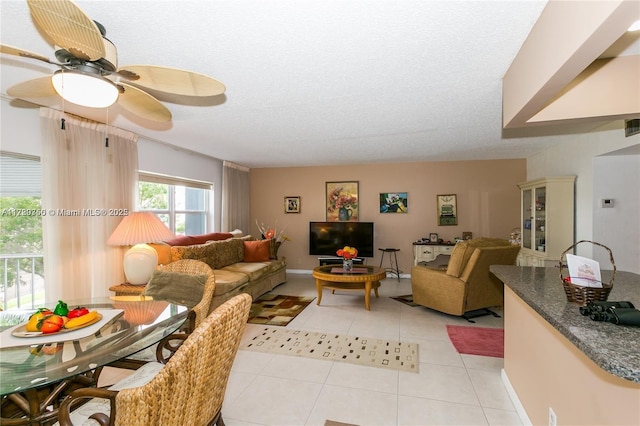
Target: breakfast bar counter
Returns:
[585, 371]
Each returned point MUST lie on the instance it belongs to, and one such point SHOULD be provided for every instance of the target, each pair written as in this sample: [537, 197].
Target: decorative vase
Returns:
[344, 214]
[347, 264]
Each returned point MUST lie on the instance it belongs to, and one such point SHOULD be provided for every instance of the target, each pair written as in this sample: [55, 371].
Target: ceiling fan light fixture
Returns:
[85, 89]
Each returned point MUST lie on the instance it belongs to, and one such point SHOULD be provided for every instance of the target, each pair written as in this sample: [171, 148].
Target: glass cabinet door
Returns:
[539, 223]
[527, 218]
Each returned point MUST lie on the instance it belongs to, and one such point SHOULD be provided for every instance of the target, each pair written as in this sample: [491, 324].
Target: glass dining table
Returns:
[37, 371]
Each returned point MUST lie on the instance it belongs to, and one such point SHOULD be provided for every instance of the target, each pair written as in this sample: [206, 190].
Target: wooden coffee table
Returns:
[363, 277]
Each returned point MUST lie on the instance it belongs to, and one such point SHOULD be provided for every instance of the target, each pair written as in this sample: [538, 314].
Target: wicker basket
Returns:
[583, 295]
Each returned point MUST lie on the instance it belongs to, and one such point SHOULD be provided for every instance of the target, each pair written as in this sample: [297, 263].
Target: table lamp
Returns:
[138, 229]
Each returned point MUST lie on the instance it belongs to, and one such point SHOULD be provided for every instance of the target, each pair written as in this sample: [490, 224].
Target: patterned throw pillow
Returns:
[176, 287]
[196, 251]
[216, 254]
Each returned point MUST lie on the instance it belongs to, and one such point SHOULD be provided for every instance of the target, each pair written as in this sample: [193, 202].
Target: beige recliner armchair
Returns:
[467, 288]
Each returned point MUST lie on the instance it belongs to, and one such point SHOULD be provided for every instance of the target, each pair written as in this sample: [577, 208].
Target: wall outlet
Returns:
[553, 420]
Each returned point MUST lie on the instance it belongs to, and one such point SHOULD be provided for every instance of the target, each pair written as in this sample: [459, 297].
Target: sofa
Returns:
[466, 288]
[241, 264]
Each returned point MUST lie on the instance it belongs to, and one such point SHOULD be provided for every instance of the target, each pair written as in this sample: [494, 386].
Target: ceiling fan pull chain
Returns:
[106, 131]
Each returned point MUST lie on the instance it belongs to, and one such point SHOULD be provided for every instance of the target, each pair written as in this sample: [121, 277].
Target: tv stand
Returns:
[335, 260]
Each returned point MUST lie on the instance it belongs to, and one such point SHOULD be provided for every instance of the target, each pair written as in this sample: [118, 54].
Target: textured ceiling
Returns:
[315, 82]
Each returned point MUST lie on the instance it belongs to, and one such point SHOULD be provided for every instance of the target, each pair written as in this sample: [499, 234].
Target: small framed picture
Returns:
[467, 235]
[292, 204]
[394, 202]
[433, 237]
[447, 209]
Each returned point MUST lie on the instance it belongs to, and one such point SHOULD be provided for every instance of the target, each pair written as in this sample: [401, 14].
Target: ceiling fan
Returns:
[89, 65]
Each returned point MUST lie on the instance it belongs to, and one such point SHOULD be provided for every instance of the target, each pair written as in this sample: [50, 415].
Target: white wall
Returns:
[20, 133]
[19, 129]
[617, 177]
[575, 156]
[165, 159]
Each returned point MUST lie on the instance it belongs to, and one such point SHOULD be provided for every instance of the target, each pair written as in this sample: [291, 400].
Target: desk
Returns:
[367, 281]
[34, 374]
[427, 252]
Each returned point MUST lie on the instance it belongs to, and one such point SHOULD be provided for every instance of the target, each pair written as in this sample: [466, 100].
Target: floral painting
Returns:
[342, 201]
[394, 202]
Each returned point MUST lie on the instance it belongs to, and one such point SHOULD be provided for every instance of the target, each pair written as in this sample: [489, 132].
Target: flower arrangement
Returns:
[269, 233]
[347, 253]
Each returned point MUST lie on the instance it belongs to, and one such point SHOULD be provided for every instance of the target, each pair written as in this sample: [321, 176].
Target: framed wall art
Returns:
[447, 209]
[342, 201]
[394, 202]
[292, 204]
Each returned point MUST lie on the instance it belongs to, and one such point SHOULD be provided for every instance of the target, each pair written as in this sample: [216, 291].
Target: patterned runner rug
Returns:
[277, 309]
[373, 352]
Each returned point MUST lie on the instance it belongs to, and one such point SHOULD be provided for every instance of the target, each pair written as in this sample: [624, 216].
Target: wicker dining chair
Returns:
[163, 351]
[196, 267]
[189, 389]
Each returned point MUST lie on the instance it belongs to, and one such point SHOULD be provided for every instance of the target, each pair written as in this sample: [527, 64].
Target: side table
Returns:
[126, 289]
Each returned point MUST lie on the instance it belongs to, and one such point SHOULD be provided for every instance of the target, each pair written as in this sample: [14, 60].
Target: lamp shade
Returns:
[140, 227]
[137, 229]
[85, 89]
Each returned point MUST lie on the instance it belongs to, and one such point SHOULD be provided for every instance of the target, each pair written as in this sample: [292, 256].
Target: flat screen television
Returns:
[325, 238]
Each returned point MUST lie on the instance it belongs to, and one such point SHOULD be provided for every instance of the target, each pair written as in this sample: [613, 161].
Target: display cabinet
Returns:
[547, 210]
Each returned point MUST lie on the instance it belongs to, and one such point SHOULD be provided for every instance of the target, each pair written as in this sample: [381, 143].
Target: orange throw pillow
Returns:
[256, 251]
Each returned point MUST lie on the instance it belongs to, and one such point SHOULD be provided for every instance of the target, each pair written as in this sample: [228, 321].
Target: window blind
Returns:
[173, 180]
[20, 175]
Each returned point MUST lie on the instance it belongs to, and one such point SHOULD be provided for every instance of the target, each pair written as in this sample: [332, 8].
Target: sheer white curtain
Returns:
[235, 198]
[87, 186]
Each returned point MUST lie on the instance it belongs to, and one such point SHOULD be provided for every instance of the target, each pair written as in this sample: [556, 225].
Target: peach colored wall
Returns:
[546, 370]
[487, 195]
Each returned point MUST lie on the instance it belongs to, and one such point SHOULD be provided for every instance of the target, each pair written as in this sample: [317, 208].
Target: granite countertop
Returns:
[615, 348]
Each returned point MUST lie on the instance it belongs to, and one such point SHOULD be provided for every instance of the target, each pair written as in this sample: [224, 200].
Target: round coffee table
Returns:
[362, 277]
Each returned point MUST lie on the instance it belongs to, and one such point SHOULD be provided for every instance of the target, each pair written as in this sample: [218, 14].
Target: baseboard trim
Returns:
[309, 271]
[299, 271]
[522, 413]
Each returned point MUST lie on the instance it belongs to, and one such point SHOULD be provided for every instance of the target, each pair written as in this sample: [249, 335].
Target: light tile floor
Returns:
[449, 389]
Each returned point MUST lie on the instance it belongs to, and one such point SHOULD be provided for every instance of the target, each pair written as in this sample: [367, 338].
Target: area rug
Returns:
[334, 423]
[277, 309]
[373, 352]
[477, 340]
[407, 300]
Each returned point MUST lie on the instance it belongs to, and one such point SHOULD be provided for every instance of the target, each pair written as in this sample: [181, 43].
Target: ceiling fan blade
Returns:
[143, 104]
[69, 27]
[37, 88]
[10, 50]
[175, 81]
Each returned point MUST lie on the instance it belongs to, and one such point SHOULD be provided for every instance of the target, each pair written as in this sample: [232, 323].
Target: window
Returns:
[21, 261]
[182, 204]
